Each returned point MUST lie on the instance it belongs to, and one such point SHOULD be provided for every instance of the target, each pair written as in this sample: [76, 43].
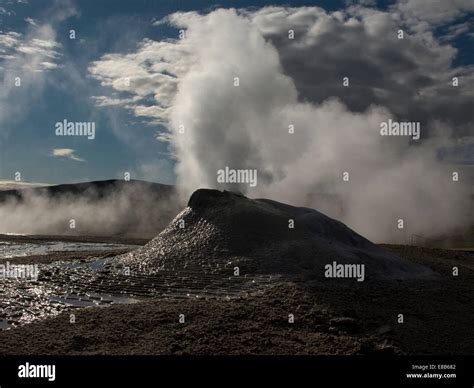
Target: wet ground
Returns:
[71, 279]
[214, 313]
[9, 249]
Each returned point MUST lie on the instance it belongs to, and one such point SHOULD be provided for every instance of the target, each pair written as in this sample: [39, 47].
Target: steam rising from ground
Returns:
[247, 127]
[123, 209]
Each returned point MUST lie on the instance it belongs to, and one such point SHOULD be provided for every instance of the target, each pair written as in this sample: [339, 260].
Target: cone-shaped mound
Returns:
[219, 231]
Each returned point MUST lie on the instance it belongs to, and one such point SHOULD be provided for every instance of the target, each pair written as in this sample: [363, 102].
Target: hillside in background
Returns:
[102, 208]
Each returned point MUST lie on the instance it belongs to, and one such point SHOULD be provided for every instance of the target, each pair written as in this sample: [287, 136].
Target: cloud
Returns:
[9, 40]
[29, 57]
[31, 21]
[455, 30]
[6, 12]
[28, 53]
[412, 76]
[298, 82]
[25, 59]
[434, 12]
[13, 185]
[66, 153]
[150, 73]
[112, 101]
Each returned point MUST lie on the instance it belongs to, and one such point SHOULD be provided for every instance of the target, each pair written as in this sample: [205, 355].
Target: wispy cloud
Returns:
[4, 11]
[68, 153]
[149, 74]
[31, 21]
[37, 51]
[26, 58]
[433, 12]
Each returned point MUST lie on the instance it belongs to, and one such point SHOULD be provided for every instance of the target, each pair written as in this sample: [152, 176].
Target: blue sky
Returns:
[124, 140]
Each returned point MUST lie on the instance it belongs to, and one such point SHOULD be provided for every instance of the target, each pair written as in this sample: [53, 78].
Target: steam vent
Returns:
[219, 231]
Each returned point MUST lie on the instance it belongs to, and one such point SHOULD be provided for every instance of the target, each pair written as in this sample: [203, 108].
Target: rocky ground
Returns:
[352, 318]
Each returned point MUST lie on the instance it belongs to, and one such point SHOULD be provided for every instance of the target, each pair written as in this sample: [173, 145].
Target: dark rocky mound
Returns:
[218, 231]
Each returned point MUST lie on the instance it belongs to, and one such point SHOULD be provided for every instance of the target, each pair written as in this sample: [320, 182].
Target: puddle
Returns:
[91, 299]
[95, 265]
[9, 249]
[98, 283]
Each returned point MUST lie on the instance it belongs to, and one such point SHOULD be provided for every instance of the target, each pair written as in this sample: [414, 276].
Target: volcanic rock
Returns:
[219, 231]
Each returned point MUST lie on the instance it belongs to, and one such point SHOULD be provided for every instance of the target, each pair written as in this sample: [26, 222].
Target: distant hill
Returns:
[113, 207]
[14, 185]
[95, 189]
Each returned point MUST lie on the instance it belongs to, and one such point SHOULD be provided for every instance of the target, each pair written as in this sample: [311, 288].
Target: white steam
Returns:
[131, 210]
[283, 83]
[246, 127]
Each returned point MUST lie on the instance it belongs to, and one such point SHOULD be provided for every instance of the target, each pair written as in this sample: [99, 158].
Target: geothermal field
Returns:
[234, 275]
[280, 189]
